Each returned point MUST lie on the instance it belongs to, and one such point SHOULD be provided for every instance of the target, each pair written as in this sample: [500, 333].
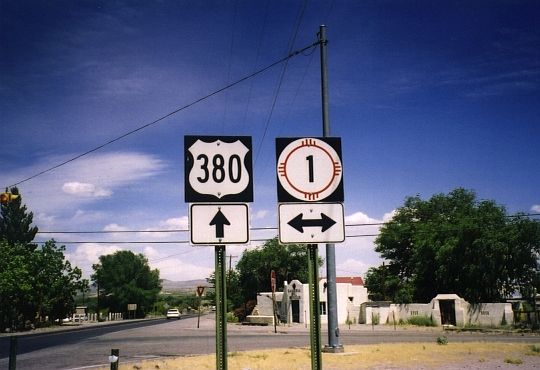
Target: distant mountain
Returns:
[169, 286]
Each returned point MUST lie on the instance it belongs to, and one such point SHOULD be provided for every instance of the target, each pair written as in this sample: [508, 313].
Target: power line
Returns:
[175, 230]
[156, 121]
[281, 77]
[251, 228]
[172, 241]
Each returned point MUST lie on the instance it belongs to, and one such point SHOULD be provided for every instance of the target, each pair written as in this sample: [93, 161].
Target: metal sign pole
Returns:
[221, 309]
[315, 318]
[333, 328]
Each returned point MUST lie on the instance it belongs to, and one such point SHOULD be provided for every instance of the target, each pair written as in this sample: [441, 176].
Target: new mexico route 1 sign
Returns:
[309, 169]
[218, 169]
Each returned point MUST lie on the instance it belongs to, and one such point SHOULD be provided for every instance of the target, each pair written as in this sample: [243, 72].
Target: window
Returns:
[323, 308]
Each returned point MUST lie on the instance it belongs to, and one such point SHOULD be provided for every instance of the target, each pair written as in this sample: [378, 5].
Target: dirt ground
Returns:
[472, 356]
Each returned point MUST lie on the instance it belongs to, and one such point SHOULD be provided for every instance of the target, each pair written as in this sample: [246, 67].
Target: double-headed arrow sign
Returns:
[311, 223]
[299, 222]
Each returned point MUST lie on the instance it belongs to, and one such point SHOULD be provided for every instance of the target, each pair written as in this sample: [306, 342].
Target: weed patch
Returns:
[513, 361]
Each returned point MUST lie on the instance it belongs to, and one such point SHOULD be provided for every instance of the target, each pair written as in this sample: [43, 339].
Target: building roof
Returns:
[354, 280]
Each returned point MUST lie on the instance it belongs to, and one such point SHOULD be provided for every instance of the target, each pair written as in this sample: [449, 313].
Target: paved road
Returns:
[83, 348]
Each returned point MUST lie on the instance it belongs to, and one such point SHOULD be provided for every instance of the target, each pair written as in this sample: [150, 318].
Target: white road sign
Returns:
[309, 170]
[218, 169]
[311, 223]
[212, 224]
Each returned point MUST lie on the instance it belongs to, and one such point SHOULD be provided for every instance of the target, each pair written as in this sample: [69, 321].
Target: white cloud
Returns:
[260, 214]
[360, 218]
[85, 190]
[535, 208]
[114, 227]
[352, 267]
[389, 215]
[44, 220]
[87, 254]
[180, 270]
[86, 180]
[84, 217]
[175, 223]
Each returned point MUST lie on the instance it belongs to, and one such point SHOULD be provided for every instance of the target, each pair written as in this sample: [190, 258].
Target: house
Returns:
[292, 304]
[444, 309]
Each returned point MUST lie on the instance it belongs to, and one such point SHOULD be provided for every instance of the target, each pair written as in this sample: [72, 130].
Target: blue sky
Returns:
[426, 96]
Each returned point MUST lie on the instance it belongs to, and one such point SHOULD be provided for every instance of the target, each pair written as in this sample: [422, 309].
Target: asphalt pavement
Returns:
[90, 344]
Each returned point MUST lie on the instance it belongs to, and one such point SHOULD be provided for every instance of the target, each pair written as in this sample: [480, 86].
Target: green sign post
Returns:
[315, 318]
[221, 309]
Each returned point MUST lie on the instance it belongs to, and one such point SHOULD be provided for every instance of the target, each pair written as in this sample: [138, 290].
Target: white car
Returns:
[173, 313]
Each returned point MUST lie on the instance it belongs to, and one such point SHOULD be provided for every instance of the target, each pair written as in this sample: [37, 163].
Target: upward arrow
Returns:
[299, 223]
[220, 221]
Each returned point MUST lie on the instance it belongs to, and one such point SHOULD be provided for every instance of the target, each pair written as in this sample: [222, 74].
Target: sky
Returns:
[426, 96]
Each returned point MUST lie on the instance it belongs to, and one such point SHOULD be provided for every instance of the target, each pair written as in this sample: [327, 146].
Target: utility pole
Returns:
[333, 346]
[230, 261]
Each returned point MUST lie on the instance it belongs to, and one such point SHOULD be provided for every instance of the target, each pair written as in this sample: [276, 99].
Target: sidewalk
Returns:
[76, 326]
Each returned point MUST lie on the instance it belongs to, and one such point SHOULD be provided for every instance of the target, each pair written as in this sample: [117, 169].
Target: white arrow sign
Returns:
[212, 224]
[311, 223]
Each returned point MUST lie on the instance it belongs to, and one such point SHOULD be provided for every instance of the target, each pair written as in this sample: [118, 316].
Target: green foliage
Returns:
[231, 318]
[182, 301]
[254, 268]
[125, 278]
[534, 349]
[244, 310]
[513, 361]
[442, 340]
[35, 283]
[421, 321]
[38, 284]
[455, 243]
[15, 223]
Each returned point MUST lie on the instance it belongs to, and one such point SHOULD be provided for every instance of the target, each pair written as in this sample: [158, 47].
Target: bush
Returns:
[245, 310]
[231, 318]
[442, 340]
[421, 321]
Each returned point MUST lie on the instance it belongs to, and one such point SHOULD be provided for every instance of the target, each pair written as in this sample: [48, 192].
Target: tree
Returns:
[56, 282]
[35, 285]
[35, 282]
[16, 286]
[15, 222]
[255, 265]
[125, 278]
[455, 244]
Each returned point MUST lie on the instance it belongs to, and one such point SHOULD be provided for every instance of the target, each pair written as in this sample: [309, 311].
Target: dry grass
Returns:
[384, 356]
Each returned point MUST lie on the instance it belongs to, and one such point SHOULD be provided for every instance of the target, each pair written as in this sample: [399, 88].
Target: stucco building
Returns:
[292, 305]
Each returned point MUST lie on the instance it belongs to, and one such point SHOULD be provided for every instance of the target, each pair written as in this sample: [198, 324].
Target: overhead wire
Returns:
[292, 40]
[158, 120]
[186, 230]
[229, 67]
[360, 224]
[257, 56]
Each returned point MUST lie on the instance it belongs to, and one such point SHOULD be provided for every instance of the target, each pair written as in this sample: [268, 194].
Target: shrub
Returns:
[535, 349]
[231, 317]
[421, 321]
[513, 361]
[442, 340]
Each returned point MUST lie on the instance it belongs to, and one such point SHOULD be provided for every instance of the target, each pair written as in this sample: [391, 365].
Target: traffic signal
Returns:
[7, 197]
